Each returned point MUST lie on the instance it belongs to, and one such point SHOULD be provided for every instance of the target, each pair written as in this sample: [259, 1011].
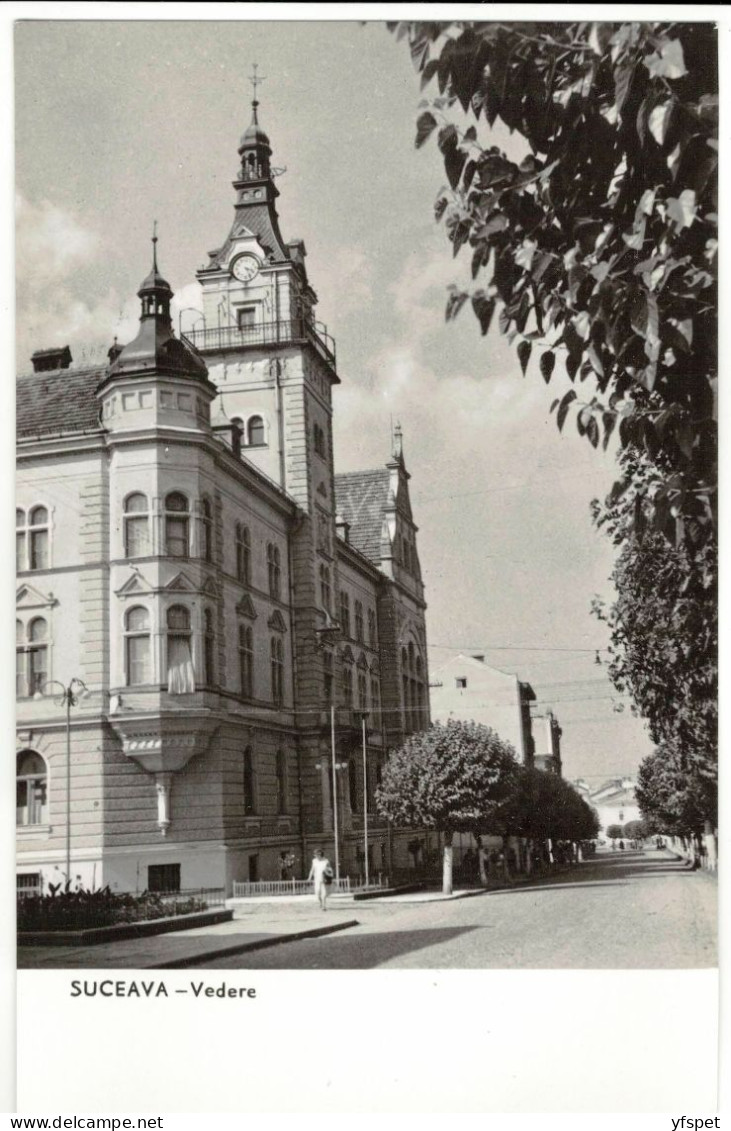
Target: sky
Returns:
[119, 124]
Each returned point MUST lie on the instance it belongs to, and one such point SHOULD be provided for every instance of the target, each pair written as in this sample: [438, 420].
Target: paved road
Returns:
[617, 911]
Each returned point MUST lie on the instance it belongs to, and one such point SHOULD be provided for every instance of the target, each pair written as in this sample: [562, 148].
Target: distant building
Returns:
[547, 740]
[614, 802]
[466, 688]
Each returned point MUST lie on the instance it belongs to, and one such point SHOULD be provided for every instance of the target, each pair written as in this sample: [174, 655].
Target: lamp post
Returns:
[363, 717]
[69, 696]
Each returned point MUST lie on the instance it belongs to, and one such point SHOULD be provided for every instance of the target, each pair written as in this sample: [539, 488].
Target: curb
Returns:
[259, 944]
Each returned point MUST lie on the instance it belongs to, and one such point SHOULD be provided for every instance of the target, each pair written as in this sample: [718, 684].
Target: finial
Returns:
[397, 440]
[154, 245]
[256, 80]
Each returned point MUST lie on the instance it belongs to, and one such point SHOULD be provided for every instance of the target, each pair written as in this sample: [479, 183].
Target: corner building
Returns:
[231, 607]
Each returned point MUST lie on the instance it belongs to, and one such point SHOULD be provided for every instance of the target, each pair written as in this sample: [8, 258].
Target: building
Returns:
[615, 803]
[547, 743]
[218, 637]
[466, 688]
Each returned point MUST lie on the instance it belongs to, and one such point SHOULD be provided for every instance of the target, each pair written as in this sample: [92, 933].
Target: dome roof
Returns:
[254, 135]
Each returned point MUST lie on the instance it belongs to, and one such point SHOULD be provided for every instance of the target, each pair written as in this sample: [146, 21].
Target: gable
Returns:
[181, 583]
[245, 607]
[28, 597]
[133, 586]
[276, 622]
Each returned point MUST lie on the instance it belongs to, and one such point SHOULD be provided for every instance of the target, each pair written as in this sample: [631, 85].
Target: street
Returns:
[629, 910]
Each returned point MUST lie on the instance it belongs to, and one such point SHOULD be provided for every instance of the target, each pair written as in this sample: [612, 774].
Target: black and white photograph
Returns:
[366, 533]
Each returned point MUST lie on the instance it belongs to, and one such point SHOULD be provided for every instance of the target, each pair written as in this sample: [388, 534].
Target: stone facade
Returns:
[187, 555]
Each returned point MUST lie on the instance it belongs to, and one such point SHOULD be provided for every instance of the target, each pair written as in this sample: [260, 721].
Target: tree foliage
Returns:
[599, 247]
[451, 777]
[675, 793]
[542, 805]
[664, 644]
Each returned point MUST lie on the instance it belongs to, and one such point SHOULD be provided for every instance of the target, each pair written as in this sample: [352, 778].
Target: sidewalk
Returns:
[256, 923]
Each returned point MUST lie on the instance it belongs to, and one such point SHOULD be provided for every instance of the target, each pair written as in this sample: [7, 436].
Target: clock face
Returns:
[245, 268]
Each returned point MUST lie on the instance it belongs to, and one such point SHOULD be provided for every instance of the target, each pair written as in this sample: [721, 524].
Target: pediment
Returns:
[245, 607]
[276, 622]
[362, 662]
[181, 583]
[210, 588]
[28, 597]
[347, 654]
[134, 585]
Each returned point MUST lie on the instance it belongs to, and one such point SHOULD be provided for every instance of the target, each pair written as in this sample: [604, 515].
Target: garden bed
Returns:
[91, 936]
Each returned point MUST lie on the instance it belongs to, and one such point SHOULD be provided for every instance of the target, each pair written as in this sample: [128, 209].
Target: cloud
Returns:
[50, 243]
[345, 281]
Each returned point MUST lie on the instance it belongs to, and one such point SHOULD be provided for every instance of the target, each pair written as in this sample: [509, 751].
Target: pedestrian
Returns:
[321, 875]
[621, 846]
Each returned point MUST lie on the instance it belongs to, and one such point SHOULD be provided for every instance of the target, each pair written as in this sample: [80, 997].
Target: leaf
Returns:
[524, 254]
[669, 63]
[547, 364]
[426, 123]
[563, 410]
[623, 75]
[659, 120]
[524, 352]
[484, 308]
[455, 302]
[682, 209]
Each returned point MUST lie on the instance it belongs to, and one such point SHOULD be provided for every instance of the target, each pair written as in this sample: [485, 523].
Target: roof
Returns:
[360, 498]
[61, 401]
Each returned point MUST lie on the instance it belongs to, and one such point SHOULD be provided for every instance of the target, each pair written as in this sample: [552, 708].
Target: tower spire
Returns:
[154, 247]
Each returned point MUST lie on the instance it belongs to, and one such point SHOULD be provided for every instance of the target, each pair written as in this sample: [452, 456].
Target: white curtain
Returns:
[181, 676]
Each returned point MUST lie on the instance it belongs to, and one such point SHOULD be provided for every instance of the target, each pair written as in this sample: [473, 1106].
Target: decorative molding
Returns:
[245, 608]
[28, 597]
[135, 586]
[277, 622]
[181, 583]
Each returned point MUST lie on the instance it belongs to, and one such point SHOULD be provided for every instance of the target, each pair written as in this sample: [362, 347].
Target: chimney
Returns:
[46, 360]
[342, 527]
[114, 351]
[479, 656]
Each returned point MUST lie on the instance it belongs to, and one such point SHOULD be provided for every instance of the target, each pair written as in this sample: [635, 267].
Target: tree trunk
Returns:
[481, 860]
[447, 864]
[711, 847]
[529, 856]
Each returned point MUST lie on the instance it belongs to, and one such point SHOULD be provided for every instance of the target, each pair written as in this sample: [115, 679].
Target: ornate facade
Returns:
[207, 614]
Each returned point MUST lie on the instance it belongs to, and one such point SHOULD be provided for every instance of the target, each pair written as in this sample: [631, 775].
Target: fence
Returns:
[245, 889]
[214, 897]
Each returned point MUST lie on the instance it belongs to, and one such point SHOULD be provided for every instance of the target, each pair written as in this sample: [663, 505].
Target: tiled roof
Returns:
[360, 497]
[60, 401]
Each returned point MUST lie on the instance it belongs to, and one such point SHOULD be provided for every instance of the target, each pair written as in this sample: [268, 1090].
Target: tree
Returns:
[599, 247]
[614, 832]
[678, 795]
[452, 778]
[542, 806]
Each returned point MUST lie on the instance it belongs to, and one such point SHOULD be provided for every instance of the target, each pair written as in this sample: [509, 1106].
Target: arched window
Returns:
[348, 685]
[137, 646]
[362, 692]
[274, 571]
[327, 669]
[353, 785]
[136, 526]
[177, 525]
[420, 692]
[359, 622]
[209, 647]
[249, 783]
[257, 432]
[376, 699]
[281, 771]
[31, 654]
[277, 668]
[181, 674]
[406, 683]
[325, 588]
[243, 554]
[246, 660]
[372, 632]
[31, 804]
[344, 613]
[206, 531]
[31, 539]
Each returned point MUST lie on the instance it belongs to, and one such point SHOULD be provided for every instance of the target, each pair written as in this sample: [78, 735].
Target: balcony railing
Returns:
[292, 331]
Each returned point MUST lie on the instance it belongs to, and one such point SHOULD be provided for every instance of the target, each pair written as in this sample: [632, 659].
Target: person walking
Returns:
[321, 875]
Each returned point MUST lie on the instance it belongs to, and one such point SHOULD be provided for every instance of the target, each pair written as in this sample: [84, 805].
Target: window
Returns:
[353, 785]
[277, 669]
[31, 539]
[274, 571]
[206, 531]
[359, 622]
[362, 692]
[176, 525]
[181, 674]
[372, 631]
[257, 432]
[163, 877]
[375, 699]
[137, 646]
[31, 655]
[348, 685]
[281, 770]
[327, 670]
[249, 783]
[243, 554]
[319, 440]
[246, 660]
[246, 318]
[344, 613]
[461, 682]
[136, 526]
[31, 801]
[325, 589]
[209, 647]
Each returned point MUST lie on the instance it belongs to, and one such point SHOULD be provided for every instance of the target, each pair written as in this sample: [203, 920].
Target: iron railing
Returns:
[291, 331]
[214, 897]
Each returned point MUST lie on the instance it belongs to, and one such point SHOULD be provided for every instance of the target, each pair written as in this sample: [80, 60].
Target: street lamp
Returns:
[363, 717]
[68, 696]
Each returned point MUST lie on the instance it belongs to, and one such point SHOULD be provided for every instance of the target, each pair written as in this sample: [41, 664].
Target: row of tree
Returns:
[462, 777]
[599, 250]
